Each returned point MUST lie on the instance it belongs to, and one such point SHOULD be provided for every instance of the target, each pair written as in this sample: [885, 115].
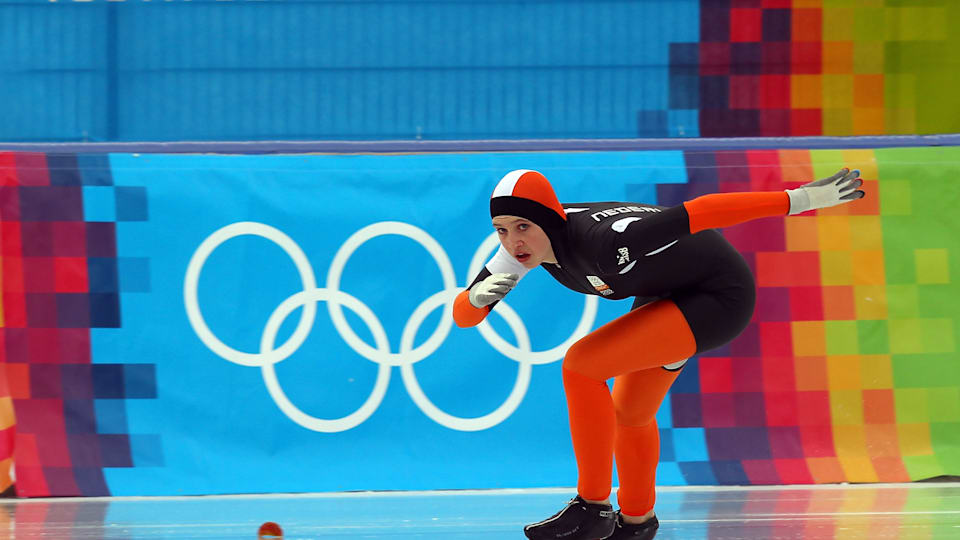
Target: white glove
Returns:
[838, 189]
[492, 288]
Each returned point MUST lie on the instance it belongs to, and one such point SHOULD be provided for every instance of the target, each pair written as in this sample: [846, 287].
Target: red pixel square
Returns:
[32, 169]
[814, 409]
[13, 274]
[18, 379]
[794, 471]
[30, 483]
[38, 274]
[42, 345]
[746, 25]
[774, 92]
[806, 122]
[778, 371]
[8, 170]
[806, 58]
[70, 274]
[716, 375]
[781, 409]
[788, 269]
[776, 340]
[69, 238]
[11, 245]
[14, 308]
[765, 172]
[25, 452]
[806, 303]
[817, 441]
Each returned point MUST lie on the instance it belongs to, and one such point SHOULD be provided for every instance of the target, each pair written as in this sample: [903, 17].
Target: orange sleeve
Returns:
[464, 314]
[725, 209]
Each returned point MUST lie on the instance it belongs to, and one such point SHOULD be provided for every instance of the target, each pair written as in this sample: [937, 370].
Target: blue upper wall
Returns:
[405, 69]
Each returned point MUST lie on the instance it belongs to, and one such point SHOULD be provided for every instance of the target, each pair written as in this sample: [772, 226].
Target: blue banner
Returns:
[296, 310]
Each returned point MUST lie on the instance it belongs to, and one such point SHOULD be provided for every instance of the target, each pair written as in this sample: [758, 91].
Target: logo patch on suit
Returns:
[600, 286]
[620, 225]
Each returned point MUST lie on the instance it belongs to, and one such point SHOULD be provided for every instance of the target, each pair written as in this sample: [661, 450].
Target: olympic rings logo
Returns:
[270, 354]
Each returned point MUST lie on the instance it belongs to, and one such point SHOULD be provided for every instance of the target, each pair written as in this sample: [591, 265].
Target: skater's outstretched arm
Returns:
[651, 233]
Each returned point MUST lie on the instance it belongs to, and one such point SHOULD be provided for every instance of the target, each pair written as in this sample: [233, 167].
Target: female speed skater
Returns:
[693, 292]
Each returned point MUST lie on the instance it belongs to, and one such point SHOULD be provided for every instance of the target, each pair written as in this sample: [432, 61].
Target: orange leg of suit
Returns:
[631, 349]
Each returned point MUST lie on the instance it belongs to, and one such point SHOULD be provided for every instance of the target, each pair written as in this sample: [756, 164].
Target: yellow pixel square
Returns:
[809, 338]
[868, 267]
[866, 232]
[843, 373]
[868, 57]
[836, 268]
[876, 371]
[837, 91]
[865, 160]
[932, 266]
[870, 302]
[833, 232]
[914, 439]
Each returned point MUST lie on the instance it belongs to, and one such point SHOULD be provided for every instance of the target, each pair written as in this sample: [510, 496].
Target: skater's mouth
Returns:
[523, 257]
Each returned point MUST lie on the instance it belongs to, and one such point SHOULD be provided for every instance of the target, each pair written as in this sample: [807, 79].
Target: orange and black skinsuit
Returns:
[694, 292]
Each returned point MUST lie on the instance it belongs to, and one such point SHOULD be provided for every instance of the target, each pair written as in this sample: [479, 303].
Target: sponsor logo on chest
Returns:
[600, 286]
[597, 216]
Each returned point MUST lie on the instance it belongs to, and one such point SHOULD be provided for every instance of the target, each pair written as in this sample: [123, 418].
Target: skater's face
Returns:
[525, 240]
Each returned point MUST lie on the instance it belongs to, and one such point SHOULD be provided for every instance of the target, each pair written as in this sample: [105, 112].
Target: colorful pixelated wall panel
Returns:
[848, 371]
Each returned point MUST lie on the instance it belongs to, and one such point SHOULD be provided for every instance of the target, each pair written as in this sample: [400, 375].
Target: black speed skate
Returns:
[641, 531]
[579, 520]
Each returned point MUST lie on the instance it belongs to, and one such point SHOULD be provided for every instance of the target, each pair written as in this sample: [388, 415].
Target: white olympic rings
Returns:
[336, 300]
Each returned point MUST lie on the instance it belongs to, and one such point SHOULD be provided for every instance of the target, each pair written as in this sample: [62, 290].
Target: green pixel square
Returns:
[936, 302]
[872, 337]
[902, 302]
[944, 404]
[914, 23]
[945, 437]
[911, 405]
[937, 335]
[866, 22]
[900, 91]
[932, 265]
[895, 198]
[826, 163]
[906, 336]
[842, 338]
[924, 371]
[897, 255]
[836, 20]
[921, 467]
